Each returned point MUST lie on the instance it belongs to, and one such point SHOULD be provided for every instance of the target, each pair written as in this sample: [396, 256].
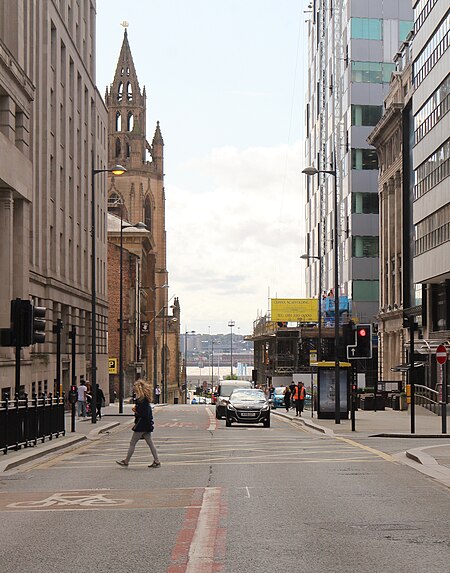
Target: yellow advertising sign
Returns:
[112, 365]
[294, 309]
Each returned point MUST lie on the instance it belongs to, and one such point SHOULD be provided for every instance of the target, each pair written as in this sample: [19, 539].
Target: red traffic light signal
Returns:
[362, 332]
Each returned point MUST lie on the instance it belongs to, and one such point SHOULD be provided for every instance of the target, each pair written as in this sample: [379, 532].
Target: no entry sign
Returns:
[441, 354]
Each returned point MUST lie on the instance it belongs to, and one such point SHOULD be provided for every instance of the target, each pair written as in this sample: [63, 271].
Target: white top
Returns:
[82, 389]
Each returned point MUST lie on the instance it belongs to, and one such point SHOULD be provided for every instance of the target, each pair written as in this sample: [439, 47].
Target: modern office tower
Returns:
[431, 163]
[53, 134]
[352, 45]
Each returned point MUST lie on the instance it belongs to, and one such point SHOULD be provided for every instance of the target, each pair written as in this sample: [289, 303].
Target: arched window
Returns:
[118, 147]
[130, 121]
[148, 213]
[128, 71]
[120, 92]
[129, 92]
[118, 121]
[128, 150]
[115, 204]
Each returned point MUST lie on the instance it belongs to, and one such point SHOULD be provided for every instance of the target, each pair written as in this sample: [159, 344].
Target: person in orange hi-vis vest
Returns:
[299, 398]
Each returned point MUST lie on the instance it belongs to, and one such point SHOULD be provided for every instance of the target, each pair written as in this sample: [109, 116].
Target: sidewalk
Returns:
[84, 430]
[434, 459]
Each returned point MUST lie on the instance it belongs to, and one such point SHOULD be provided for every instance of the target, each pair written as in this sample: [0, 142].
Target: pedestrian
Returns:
[271, 391]
[81, 399]
[100, 401]
[143, 423]
[287, 398]
[299, 398]
[292, 388]
[157, 394]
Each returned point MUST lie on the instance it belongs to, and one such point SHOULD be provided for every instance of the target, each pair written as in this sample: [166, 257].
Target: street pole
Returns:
[231, 323]
[337, 383]
[155, 345]
[163, 357]
[121, 388]
[411, 373]
[73, 337]
[185, 368]
[319, 246]
[117, 170]
[212, 364]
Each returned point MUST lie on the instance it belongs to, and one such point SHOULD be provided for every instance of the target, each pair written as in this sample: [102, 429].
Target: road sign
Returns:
[112, 365]
[441, 354]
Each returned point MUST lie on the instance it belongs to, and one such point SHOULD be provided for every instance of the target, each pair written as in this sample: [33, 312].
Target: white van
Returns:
[224, 392]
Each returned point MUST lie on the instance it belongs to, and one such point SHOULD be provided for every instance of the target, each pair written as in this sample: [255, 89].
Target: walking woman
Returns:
[287, 398]
[143, 423]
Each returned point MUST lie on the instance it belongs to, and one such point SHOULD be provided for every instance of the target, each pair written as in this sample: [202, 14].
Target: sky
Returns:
[225, 79]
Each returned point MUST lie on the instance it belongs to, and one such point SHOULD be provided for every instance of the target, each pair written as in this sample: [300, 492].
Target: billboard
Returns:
[294, 309]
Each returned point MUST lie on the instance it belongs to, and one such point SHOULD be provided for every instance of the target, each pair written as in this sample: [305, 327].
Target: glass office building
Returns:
[352, 44]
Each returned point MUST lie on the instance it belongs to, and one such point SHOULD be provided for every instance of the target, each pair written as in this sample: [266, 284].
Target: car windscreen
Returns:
[247, 396]
[227, 389]
[279, 391]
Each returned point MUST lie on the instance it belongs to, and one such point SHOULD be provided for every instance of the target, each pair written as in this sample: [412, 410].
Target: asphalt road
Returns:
[240, 499]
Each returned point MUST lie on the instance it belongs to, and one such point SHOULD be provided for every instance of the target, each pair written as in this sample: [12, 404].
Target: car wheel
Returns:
[228, 423]
[267, 423]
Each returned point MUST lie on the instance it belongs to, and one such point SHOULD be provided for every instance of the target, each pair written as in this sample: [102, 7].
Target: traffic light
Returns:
[38, 324]
[73, 394]
[349, 333]
[363, 341]
[21, 320]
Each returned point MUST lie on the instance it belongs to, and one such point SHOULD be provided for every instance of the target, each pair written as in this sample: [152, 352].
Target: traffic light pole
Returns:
[73, 336]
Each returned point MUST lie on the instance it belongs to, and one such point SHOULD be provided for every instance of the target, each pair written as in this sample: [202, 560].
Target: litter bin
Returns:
[175, 400]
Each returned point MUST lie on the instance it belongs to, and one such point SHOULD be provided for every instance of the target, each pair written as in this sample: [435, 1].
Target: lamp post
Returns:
[121, 383]
[319, 317]
[185, 364]
[231, 323]
[155, 343]
[117, 170]
[337, 393]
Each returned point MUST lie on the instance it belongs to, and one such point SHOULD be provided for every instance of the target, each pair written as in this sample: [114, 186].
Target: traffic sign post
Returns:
[441, 358]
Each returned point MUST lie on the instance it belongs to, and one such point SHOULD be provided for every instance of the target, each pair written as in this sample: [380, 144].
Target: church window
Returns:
[148, 213]
[118, 147]
[118, 121]
[129, 92]
[130, 121]
[128, 150]
[115, 204]
[120, 92]
[128, 71]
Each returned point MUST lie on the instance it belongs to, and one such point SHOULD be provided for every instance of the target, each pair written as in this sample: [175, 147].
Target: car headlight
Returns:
[230, 407]
[265, 407]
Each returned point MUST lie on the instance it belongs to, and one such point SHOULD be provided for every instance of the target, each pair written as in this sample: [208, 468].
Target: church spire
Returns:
[157, 138]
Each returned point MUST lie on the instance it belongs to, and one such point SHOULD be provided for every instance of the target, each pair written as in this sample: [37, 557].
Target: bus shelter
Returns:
[325, 403]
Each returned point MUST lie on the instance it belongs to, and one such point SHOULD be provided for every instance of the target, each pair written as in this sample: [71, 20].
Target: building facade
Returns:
[351, 49]
[391, 138]
[431, 168]
[54, 133]
[139, 196]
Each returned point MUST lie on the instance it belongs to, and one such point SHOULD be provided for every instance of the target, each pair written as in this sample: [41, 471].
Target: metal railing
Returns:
[428, 398]
[23, 422]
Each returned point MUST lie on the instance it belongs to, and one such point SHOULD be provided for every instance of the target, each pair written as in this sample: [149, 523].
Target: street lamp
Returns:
[231, 323]
[185, 364]
[155, 344]
[121, 384]
[117, 170]
[318, 258]
[337, 394]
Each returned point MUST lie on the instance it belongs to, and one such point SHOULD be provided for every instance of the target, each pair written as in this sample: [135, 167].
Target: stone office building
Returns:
[53, 132]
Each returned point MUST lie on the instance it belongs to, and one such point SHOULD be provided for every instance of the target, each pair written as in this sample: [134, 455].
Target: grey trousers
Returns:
[136, 436]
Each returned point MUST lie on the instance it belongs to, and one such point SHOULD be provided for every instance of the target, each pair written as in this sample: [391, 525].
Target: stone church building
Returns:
[150, 319]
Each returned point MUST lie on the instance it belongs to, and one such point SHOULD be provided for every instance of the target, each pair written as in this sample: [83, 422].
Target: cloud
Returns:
[236, 234]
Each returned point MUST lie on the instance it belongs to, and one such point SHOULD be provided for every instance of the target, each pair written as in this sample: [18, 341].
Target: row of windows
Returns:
[421, 11]
[130, 121]
[432, 111]
[432, 52]
[366, 114]
[433, 231]
[365, 246]
[372, 72]
[372, 28]
[432, 171]
[365, 203]
[129, 92]
[364, 159]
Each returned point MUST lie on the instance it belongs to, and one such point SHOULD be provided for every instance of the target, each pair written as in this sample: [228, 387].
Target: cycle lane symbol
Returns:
[68, 499]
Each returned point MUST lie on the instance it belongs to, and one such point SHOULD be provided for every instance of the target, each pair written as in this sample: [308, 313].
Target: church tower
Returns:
[138, 196]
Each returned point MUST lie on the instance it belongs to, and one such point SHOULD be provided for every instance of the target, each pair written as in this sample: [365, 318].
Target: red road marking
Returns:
[201, 542]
